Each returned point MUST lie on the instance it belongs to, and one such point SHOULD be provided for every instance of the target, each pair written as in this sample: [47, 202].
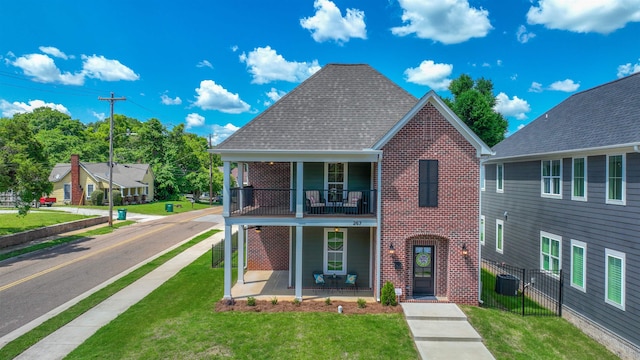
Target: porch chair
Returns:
[314, 203]
[352, 281]
[318, 278]
[353, 205]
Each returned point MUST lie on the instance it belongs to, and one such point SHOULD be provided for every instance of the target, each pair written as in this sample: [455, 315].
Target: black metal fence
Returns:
[217, 252]
[527, 292]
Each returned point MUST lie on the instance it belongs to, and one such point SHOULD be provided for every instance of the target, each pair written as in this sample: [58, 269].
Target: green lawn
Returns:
[157, 207]
[14, 223]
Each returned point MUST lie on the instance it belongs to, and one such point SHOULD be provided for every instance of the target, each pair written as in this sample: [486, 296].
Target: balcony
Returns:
[250, 201]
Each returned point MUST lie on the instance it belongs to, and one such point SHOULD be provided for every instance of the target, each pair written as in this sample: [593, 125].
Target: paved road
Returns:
[35, 284]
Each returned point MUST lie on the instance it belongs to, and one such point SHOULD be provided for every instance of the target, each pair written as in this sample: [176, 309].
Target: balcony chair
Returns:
[353, 205]
[315, 205]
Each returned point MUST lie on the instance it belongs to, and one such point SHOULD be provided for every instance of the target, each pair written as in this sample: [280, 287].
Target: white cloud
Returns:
[9, 109]
[42, 68]
[515, 107]
[535, 87]
[328, 23]
[204, 63]
[628, 69]
[521, 126]
[169, 101]
[565, 85]
[194, 119]
[222, 132]
[431, 74]
[274, 95]
[99, 116]
[211, 96]
[602, 16]
[449, 22]
[266, 65]
[99, 67]
[53, 51]
[523, 35]
[234, 48]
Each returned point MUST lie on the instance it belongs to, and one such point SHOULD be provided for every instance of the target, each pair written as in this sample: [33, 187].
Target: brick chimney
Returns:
[76, 188]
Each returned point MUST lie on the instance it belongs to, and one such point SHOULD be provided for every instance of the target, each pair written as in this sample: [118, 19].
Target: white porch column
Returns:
[227, 262]
[241, 185]
[241, 235]
[226, 194]
[299, 185]
[298, 260]
[379, 229]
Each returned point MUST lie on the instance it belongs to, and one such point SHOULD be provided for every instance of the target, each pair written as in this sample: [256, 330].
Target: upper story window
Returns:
[336, 181]
[614, 268]
[552, 178]
[499, 178]
[616, 179]
[550, 253]
[579, 179]
[428, 183]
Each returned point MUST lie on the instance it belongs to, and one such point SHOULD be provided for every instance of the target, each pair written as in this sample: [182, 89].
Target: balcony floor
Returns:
[264, 285]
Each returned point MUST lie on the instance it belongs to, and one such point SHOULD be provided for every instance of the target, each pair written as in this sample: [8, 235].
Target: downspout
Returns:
[479, 244]
[378, 229]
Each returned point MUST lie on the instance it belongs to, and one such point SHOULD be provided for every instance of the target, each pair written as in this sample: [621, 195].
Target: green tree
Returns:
[473, 102]
[24, 166]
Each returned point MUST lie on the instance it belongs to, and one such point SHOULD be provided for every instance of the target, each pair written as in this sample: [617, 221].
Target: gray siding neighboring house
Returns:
[571, 200]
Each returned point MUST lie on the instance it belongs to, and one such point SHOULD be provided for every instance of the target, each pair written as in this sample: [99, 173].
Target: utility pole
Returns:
[210, 173]
[111, 100]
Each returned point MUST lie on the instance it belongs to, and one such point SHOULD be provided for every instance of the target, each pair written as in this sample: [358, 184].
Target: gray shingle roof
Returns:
[124, 175]
[340, 107]
[604, 116]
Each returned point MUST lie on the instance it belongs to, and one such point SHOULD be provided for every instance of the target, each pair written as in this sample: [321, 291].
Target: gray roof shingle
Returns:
[604, 116]
[125, 175]
[340, 107]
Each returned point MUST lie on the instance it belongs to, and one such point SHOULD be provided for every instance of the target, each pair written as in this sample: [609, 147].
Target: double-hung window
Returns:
[614, 278]
[579, 179]
[67, 192]
[552, 178]
[616, 179]
[499, 178]
[336, 181]
[579, 265]
[335, 251]
[89, 190]
[499, 236]
[550, 253]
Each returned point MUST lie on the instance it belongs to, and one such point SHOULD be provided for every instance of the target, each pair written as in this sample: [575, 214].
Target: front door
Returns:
[423, 277]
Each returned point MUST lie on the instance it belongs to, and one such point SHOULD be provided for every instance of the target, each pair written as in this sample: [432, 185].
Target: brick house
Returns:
[350, 174]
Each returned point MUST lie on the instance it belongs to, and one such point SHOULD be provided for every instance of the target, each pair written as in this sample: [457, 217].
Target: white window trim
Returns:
[93, 188]
[483, 225]
[499, 179]
[586, 180]
[325, 252]
[624, 181]
[482, 177]
[557, 238]
[620, 255]
[64, 193]
[499, 225]
[583, 245]
[550, 195]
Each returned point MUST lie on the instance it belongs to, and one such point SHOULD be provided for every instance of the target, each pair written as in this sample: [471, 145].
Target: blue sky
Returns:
[215, 65]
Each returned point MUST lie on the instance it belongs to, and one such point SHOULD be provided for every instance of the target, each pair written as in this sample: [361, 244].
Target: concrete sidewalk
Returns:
[60, 343]
[441, 331]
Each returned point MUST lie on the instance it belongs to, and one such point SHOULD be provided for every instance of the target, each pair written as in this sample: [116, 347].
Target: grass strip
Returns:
[19, 345]
[64, 240]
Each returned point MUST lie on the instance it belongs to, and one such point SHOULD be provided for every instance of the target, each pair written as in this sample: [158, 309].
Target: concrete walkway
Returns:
[441, 331]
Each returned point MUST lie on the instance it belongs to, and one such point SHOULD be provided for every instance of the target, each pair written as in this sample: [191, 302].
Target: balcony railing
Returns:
[281, 202]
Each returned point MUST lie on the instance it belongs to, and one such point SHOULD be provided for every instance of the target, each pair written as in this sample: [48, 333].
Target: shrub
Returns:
[296, 302]
[251, 301]
[274, 300]
[388, 295]
[97, 197]
[327, 301]
[117, 198]
[362, 303]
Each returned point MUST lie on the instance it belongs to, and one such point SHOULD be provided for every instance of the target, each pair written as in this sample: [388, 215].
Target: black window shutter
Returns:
[428, 183]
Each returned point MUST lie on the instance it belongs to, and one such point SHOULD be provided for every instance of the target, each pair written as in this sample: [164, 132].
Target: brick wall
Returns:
[76, 189]
[264, 175]
[429, 136]
[269, 249]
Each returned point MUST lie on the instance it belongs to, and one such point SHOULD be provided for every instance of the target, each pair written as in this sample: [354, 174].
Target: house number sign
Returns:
[423, 259]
